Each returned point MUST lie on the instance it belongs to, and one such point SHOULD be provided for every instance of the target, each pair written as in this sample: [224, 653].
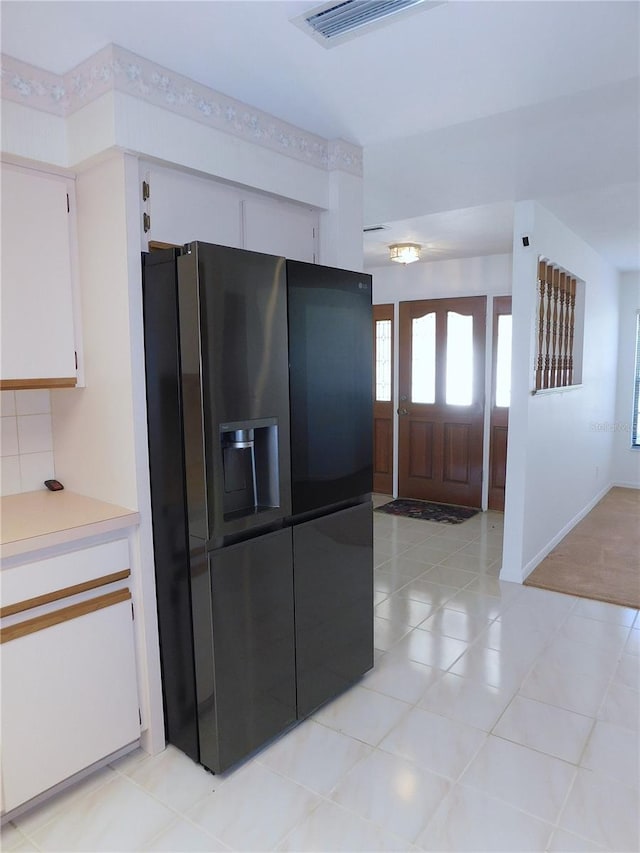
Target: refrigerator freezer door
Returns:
[330, 370]
[254, 696]
[168, 510]
[333, 558]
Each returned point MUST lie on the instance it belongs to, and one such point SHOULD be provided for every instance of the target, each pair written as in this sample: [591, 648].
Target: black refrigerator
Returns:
[259, 415]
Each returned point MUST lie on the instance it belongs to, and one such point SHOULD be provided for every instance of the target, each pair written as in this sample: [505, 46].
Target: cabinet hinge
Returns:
[146, 222]
[146, 192]
[68, 204]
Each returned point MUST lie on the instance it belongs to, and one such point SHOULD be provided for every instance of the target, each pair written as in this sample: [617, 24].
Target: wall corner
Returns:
[341, 243]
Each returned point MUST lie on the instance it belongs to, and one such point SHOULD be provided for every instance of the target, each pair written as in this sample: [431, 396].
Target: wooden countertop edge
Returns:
[69, 534]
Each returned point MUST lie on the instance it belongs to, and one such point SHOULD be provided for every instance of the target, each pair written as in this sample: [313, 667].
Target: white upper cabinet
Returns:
[280, 228]
[182, 208]
[38, 347]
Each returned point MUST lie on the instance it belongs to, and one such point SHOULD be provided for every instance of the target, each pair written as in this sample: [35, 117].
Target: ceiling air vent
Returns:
[371, 228]
[333, 23]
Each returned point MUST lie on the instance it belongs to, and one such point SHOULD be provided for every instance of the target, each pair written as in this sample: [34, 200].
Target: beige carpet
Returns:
[600, 558]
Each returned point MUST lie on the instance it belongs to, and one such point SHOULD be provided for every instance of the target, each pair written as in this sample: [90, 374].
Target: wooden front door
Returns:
[500, 399]
[441, 400]
[383, 399]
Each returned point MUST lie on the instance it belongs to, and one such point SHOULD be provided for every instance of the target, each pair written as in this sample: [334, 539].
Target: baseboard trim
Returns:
[621, 485]
[66, 783]
[548, 548]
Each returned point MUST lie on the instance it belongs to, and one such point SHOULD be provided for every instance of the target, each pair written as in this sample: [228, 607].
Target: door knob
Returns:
[403, 411]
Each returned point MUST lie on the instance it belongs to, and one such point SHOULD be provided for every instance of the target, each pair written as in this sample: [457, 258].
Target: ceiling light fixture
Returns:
[404, 253]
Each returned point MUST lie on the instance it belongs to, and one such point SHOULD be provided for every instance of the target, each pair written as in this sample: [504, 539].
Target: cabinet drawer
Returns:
[69, 698]
[62, 573]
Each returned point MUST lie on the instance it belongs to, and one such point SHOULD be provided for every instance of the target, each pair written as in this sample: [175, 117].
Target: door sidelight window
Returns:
[503, 361]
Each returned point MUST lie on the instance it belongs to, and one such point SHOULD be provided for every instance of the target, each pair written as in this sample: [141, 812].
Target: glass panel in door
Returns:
[383, 320]
[501, 398]
[383, 361]
[503, 361]
[459, 374]
[423, 359]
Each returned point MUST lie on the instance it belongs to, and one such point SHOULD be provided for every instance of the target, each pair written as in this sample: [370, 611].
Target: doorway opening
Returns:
[442, 351]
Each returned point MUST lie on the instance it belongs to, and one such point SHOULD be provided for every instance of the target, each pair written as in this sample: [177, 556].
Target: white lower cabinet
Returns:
[69, 687]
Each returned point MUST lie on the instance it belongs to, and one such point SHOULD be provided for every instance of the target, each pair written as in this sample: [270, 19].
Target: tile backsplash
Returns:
[26, 443]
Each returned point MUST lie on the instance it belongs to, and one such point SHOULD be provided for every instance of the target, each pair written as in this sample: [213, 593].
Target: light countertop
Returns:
[34, 520]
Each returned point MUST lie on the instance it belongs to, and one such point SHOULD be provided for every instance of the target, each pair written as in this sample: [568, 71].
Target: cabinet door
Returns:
[280, 228]
[37, 302]
[69, 698]
[184, 208]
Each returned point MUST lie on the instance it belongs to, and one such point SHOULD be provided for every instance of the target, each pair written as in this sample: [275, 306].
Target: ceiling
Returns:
[462, 109]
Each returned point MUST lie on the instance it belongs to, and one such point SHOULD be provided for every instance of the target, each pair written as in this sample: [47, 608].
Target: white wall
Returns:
[26, 442]
[100, 415]
[559, 460]
[99, 432]
[626, 461]
[489, 276]
[33, 134]
[342, 222]
[172, 138]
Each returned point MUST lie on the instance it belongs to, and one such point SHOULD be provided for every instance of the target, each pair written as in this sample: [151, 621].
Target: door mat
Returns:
[428, 511]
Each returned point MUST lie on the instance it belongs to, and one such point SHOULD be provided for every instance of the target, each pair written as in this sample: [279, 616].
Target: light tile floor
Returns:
[497, 717]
